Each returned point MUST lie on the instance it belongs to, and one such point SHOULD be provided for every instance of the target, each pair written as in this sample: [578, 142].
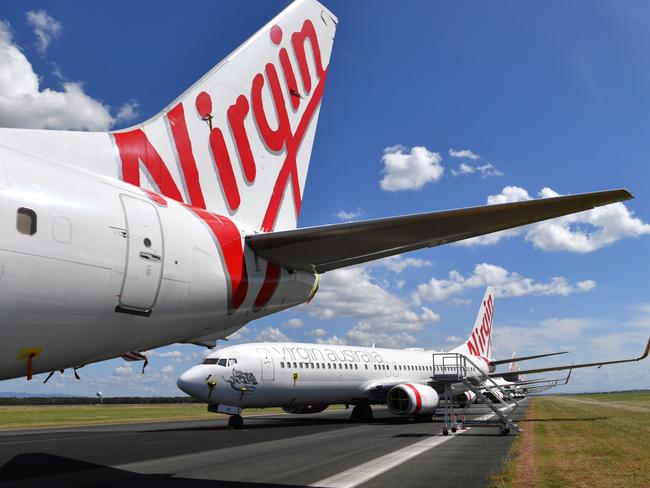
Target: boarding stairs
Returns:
[453, 368]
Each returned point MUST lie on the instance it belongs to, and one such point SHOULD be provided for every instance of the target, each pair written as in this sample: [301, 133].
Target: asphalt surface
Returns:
[322, 449]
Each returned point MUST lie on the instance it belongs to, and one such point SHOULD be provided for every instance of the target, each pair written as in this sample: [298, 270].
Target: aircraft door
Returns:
[144, 257]
[268, 370]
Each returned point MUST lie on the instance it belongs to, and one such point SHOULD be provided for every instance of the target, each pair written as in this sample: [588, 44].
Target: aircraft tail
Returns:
[238, 141]
[479, 342]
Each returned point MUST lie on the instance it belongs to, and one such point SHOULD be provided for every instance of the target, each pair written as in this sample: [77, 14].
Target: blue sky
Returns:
[481, 102]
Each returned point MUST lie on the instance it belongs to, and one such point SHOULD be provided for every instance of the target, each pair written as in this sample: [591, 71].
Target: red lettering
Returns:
[236, 115]
[274, 139]
[290, 77]
[224, 168]
[134, 147]
[176, 118]
[229, 243]
[298, 41]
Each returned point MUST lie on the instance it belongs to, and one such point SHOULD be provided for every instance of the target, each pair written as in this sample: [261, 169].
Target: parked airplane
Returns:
[306, 378]
[183, 228]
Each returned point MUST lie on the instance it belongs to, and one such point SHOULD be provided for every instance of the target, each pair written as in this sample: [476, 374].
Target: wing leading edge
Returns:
[328, 247]
[514, 375]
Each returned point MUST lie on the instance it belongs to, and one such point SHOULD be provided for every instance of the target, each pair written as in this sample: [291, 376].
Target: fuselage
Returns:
[93, 267]
[285, 374]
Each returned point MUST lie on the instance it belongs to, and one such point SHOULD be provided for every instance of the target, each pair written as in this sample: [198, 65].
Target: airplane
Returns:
[307, 378]
[182, 228]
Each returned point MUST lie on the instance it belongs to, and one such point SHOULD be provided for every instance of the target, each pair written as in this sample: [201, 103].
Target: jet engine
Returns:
[298, 409]
[464, 398]
[412, 399]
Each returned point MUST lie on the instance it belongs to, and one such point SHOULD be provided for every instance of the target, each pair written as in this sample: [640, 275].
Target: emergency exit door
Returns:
[144, 256]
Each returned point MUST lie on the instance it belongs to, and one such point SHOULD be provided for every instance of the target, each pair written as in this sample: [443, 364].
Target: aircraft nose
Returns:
[192, 382]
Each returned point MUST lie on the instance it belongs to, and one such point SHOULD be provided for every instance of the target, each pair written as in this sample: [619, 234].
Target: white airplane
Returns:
[307, 378]
[183, 227]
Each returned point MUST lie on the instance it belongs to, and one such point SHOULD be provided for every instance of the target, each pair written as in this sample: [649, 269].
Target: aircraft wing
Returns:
[513, 376]
[324, 248]
[524, 358]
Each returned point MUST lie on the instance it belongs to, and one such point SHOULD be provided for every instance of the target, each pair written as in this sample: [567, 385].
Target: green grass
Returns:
[19, 417]
[582, 440]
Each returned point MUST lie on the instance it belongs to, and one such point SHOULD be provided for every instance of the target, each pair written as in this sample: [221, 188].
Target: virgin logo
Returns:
[134, 147]
[480, 341]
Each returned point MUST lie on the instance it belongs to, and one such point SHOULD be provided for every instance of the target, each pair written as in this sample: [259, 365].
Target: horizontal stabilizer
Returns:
[328, 247]
[513, 376]
[524, 358]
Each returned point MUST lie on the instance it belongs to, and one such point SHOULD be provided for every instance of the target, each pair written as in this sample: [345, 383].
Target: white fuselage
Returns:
[111, 268]
[286, 374]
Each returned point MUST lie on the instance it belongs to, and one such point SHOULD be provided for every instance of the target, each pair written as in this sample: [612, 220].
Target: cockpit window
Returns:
[210, 360]
[232, 362]
[222, 362]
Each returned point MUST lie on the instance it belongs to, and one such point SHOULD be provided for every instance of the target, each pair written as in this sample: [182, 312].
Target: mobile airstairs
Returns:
[454, 368]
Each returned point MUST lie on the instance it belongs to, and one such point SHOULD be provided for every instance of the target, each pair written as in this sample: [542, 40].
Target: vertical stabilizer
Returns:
[479, 342]
[238, 141]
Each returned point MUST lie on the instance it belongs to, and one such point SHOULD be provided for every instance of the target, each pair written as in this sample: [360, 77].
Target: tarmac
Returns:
[324, 449]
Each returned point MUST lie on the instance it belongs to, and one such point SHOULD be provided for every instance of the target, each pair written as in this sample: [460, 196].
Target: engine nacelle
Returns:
[412, 399]
[465, 398]
[300, 409]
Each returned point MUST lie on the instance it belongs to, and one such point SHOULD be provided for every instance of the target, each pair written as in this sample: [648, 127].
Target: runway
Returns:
[271, 451]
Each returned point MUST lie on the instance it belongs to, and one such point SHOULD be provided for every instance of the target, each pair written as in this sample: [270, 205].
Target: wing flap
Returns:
[328, 247]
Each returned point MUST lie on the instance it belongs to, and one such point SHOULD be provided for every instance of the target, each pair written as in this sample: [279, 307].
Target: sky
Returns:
[428, 106]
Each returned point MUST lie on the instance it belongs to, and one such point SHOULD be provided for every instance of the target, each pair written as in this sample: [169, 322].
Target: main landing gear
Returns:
[236, 422]
[362, 412]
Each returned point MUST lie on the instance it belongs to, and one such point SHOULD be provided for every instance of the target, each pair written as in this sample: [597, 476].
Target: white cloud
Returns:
[464, 153]
[167, 370]
[484, 170]
[24, 104]
[410, 170]
[348, 215]
[335, 340]
[123, 371]
[293, 323]
[239, 335]
[127, 112]
[45, 28]
[271, 334]
[318, 333]
[399, 263]
[453, 339]
[382, 317]
[506, 283]
[581, 232]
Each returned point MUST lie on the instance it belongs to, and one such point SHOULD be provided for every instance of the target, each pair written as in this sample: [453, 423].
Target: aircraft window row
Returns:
[402, 367]
[26, 221]
[288, 364]
[220, 361]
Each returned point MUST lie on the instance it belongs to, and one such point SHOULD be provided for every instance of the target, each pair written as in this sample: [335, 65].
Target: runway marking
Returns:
[367, 471]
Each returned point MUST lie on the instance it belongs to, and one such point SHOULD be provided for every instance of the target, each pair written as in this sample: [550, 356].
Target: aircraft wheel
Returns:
[445, 431]
[505, 431]
[454, 429]
[236, 422]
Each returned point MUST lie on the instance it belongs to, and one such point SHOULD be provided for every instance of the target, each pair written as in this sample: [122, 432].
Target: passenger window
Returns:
[294, 365]
[282, 364]
[329, 366]
[300, 365]
[366, 366]
[317, 366]
[340, 366]
[26, 221]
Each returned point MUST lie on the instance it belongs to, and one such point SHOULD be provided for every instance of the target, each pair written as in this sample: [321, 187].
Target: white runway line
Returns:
[367, 471]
